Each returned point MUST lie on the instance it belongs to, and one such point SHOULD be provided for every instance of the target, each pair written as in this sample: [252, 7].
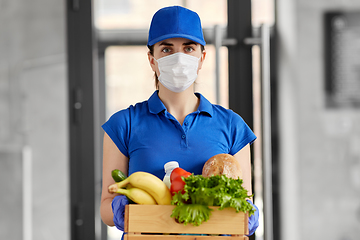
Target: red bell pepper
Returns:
[177, 184]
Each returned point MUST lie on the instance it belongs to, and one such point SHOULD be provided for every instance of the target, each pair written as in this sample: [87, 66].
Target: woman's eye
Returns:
[166, 50]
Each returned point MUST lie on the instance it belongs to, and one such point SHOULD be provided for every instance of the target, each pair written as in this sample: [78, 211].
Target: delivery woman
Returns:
[174, 123]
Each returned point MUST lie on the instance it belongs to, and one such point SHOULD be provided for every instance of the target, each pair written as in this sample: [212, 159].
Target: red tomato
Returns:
[178, 172]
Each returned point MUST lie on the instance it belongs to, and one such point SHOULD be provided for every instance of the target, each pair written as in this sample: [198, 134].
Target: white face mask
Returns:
[178, 71]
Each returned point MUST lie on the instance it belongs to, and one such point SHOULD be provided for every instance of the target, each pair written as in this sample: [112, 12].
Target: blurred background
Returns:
[290, 68]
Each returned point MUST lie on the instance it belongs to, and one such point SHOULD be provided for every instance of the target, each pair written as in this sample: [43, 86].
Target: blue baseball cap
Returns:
[175, 22]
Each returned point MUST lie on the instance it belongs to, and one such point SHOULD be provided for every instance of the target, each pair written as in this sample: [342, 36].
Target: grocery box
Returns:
[153, 222]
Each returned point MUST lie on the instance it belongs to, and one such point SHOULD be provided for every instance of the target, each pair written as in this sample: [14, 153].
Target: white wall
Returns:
[33, 115]
[320, 147]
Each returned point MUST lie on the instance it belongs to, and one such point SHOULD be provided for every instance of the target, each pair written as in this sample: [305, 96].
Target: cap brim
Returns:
[177, 35]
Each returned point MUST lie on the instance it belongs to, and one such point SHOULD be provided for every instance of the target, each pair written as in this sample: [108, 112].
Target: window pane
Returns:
[206, 81]
[211, 12]
[120, 14]
[262, 11]
[129, 78]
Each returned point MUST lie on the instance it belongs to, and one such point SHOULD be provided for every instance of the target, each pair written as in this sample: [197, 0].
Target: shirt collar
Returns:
[205, 106]
[156, 106]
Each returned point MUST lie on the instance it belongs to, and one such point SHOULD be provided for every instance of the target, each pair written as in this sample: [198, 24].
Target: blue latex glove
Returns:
[253, 219]
[118, 207]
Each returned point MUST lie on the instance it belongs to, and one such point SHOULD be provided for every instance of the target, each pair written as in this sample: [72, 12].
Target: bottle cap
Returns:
[171, 165]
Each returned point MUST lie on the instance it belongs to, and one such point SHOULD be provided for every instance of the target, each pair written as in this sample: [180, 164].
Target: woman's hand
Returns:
[118, 207]
[253, 219]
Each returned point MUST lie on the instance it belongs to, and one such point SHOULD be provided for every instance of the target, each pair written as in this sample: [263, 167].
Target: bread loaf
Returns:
[222, 164]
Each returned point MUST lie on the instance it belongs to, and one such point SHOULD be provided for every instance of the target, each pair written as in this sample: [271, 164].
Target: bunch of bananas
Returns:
[143, 188]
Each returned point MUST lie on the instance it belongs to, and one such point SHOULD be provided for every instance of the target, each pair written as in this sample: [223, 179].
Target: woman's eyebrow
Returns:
[166, 44]
[170, 44]
[190, 43]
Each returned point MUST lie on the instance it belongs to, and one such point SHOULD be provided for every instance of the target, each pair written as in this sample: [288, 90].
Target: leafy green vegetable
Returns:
[201, 192]
[191, 213]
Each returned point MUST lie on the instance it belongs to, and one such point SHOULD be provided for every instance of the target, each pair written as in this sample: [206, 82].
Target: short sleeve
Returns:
[118, 128]
[241, 134]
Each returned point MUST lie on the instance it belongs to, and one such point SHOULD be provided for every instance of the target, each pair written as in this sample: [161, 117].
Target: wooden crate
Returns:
[153, 222]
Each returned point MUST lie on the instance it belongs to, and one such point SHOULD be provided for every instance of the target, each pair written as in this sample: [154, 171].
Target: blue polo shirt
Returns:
[150, 136]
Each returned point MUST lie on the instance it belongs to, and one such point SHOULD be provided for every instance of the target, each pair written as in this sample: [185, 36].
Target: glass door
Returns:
[126, 77]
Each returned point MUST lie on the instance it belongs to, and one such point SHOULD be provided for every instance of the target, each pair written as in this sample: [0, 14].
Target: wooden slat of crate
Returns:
[181, 237]
[156, 219]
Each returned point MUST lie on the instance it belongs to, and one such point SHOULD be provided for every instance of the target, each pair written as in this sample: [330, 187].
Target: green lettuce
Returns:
[201, 192]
